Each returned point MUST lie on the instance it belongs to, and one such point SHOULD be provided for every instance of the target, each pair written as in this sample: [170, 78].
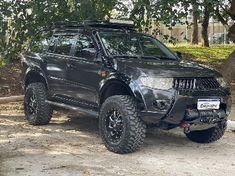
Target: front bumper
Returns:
[177, 105]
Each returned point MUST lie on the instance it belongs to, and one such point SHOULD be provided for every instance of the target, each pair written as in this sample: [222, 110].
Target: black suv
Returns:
[126, 79]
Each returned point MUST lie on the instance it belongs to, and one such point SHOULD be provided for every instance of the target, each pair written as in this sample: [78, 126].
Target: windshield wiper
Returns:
[139, 57]
[151, 57]
[145, 57]
[126, 56]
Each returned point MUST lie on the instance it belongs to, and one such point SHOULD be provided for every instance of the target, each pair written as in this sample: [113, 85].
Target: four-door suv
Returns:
[126, 79]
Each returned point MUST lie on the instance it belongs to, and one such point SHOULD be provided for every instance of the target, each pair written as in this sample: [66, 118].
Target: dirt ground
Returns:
[70, 145]
[10, 79]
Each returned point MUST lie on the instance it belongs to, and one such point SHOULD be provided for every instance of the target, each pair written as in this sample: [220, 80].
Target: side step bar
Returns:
[65, 106]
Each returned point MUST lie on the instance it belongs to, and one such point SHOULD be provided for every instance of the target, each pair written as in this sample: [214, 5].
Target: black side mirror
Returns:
[179, 54]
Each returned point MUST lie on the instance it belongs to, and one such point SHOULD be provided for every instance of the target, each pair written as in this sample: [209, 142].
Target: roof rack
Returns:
[97, 23]
[67, 24]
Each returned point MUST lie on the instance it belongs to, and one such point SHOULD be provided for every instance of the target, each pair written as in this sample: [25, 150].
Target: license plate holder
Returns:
[208, 104]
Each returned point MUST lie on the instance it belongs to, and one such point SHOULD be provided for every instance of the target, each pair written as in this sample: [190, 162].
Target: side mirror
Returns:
[179, 54]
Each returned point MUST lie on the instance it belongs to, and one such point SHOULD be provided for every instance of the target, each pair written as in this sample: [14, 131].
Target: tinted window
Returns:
[121, 44]
[134, 44]
[84, 47]
[150, 48]
[63, 45]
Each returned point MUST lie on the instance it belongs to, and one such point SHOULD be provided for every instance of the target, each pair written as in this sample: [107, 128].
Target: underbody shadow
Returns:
[85, 123]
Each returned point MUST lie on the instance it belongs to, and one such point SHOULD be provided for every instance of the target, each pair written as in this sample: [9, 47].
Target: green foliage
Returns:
[21, 20]
[2, 63]
[215, 55]
[147, 14]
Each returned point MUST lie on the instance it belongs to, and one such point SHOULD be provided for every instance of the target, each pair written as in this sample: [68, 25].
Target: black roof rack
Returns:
[94, 24]
[108, 24]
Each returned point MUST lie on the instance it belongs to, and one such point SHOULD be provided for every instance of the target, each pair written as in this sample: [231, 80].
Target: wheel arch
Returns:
[33, 76]
[118, 87]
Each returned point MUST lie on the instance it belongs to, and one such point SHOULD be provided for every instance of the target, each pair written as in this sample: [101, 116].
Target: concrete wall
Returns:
[182, 32]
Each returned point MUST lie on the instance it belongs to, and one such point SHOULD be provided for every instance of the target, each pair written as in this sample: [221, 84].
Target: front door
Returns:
[83, 72]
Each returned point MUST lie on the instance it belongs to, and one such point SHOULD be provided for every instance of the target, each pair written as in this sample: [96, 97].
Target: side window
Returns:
[63, 45]
[85, 48]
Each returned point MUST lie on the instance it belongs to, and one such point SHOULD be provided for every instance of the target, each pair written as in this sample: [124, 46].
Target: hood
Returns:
[166, 68]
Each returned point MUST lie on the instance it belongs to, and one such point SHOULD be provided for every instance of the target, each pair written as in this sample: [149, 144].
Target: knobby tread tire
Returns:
[209, 135]
[134, 127]
[44, 111]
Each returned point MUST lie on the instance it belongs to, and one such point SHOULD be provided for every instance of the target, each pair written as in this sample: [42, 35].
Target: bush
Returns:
[2, 63]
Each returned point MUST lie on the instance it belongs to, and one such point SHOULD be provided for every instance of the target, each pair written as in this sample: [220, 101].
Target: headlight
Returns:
[222, 82]
[157, 83]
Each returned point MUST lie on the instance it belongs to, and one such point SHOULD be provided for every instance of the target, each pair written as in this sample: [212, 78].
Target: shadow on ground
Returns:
[71, 145]
[89, 125]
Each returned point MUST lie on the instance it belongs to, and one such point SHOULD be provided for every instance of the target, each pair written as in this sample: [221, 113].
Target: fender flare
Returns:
[37, 71]
[130, 85]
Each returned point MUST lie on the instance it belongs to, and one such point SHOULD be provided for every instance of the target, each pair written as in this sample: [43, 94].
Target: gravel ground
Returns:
[70, 145]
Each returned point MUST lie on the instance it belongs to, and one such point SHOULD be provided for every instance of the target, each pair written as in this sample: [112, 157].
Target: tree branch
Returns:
[221, 19]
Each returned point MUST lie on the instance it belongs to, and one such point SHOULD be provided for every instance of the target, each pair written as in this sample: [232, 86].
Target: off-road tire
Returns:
[134, 128]
[43, 113]
[209, 135]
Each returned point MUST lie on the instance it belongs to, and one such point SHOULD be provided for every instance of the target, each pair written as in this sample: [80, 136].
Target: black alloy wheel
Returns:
[114, 125]
[121, 128]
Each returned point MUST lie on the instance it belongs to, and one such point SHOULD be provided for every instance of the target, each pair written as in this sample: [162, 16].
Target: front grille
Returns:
[195, 83]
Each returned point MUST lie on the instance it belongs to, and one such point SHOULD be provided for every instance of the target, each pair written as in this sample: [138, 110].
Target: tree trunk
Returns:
[228, 68]
[205, 24]
[194, 39]
[221, 18]
[232, 9]
[231, 32]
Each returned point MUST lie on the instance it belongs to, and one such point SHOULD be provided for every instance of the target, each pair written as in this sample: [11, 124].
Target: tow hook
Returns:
[186, 127]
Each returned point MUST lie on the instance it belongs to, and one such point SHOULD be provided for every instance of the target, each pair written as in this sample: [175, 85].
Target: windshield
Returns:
[134, 45]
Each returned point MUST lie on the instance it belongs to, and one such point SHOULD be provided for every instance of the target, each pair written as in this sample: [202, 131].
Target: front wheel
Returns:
[209, 135]
[121, 128]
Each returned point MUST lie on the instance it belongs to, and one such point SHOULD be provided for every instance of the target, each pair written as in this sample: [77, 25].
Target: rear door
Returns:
[83, 72]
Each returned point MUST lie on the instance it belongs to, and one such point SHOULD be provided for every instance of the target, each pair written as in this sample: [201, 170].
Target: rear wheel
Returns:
[209, 135]
[121, 129]
[37, 111]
